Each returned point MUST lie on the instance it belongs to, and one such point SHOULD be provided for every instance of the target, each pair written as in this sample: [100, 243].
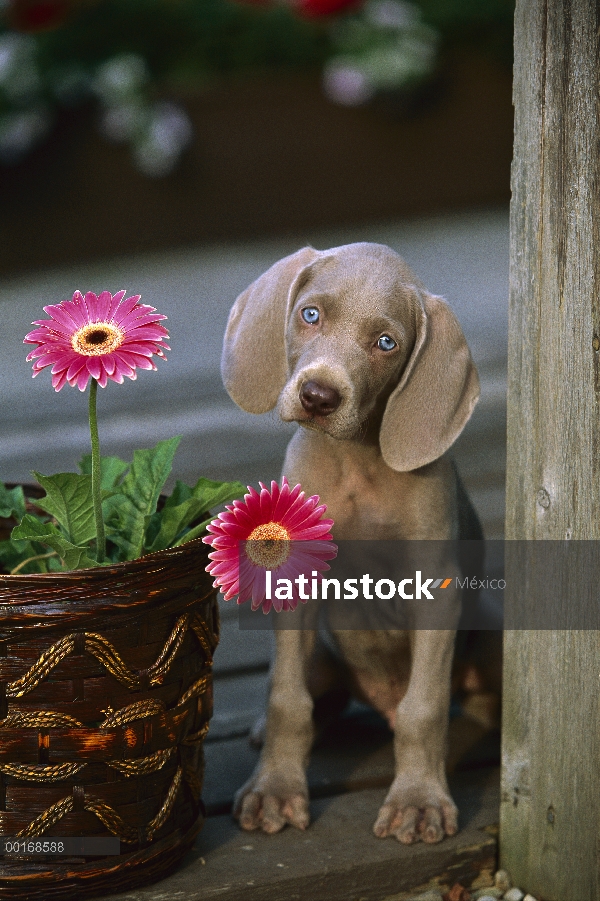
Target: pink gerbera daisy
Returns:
[279, 530]
[102, 337]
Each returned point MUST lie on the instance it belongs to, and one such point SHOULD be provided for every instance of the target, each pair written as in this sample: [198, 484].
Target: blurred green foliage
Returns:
[187, 40]
[125, 55]
[484, 25]
[184, 40]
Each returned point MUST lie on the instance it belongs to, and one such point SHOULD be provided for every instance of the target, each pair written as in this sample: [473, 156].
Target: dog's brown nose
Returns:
[320, 400]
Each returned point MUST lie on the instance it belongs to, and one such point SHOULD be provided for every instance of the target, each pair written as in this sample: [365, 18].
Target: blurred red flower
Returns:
[38, 15]
[314, 9]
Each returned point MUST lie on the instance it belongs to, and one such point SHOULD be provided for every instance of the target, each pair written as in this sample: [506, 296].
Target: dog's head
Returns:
[342, 338]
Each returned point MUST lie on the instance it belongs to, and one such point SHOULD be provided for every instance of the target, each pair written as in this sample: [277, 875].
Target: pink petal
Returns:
[134, 360]
[82, 379]
[58, 380]
[235, 530]
[125, 307]
[94, 367]
[142, 317]
[90, 305]
[54, 357]
[144, 348]
[114, 305]
[38, 366]
[121, 367]
[266, 506]
[42, 335]
[109, 364]
[103, 306]
[244, 520]
[63, 318]
[76, 309]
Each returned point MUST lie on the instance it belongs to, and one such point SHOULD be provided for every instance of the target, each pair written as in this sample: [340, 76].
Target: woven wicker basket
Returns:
[105, 698]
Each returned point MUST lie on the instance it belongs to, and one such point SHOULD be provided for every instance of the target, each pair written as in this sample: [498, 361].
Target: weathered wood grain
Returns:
[550, 817]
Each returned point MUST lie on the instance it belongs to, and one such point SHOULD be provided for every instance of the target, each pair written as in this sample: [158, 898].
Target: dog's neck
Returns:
[362, 451]
[369, 432]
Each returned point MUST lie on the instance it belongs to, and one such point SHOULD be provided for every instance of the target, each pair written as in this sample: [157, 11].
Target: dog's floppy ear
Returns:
[436, 394]
[253, 363]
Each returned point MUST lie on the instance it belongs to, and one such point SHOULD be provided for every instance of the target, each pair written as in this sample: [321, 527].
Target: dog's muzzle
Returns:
[319, 400]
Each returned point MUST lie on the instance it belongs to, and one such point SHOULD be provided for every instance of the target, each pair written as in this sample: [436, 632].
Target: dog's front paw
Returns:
[270, 800]
[412, 812]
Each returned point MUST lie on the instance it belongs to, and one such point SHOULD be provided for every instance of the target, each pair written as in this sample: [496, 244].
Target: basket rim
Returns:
[48, 600]
[111, 569]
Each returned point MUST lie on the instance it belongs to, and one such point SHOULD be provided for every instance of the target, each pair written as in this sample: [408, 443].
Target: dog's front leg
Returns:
[277, 792]
[418, 805]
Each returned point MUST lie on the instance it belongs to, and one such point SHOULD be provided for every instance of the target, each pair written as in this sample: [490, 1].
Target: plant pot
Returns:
[105, 698]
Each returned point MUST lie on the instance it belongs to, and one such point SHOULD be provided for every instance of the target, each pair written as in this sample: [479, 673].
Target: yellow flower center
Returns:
[268, 545]
[97, 338]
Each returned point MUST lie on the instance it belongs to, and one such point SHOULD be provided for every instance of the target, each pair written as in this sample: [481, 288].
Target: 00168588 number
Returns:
[30, 846]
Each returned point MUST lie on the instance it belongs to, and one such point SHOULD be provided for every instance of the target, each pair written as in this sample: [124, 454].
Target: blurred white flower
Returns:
[169, 133]
[346, 84]
[395, 66]
[21, 131]
[8, 47]
[383, 47]
[19, 76]
[120, 78]
[392, 14]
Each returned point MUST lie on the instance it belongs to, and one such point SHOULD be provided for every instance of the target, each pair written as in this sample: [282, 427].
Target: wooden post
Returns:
[550, 808]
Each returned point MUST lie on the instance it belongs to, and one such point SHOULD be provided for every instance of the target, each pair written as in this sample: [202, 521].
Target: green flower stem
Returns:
[96, 476]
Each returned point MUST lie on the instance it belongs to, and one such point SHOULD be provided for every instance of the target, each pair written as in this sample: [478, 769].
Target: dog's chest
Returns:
[379, 667]
[364, 497]
[361, 510]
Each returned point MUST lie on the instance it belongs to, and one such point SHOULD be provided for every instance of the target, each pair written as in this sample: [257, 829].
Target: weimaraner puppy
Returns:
[349, 344]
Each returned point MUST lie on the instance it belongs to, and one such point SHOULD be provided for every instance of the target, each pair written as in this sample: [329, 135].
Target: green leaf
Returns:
[69, 500]
[12, 502]
[194, 533]
[181, 493]
[24, 555]
[128, 512]
[112, 470]
[184, 505]
[32, 529]
[212, 494]
[173, 520]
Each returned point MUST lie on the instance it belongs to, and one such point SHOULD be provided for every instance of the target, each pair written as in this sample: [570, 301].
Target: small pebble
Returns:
[488, 893]
[457, 893]
[486, 897]
[502, 880]
[529, 897]
[514, 894]
[428, 896]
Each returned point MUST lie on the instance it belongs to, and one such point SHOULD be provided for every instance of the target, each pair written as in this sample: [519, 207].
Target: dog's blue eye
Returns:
[386, 343]
[310, 315]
